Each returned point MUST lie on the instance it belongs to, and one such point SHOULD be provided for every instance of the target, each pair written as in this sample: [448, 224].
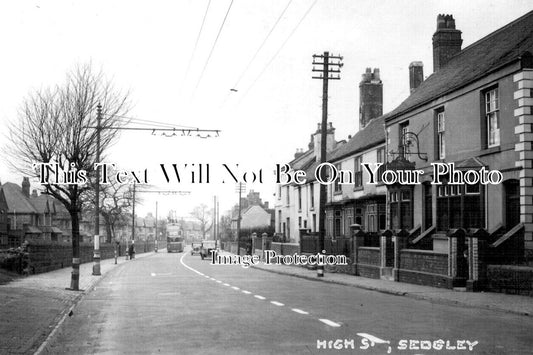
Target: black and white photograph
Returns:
[266, 177]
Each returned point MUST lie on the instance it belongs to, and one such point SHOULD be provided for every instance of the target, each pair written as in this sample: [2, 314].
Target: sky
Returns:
[148, 49]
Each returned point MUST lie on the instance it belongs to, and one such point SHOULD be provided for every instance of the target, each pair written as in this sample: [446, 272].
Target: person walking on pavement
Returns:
[131, 250]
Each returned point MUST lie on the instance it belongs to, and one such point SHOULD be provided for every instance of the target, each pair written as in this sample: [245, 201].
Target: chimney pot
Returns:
[416, 75]
[447, 41]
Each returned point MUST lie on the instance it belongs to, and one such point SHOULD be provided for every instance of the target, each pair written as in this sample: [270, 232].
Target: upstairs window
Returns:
[492, 114]
[299, 199]
[441, 138]
[358, 172]
[337, 186]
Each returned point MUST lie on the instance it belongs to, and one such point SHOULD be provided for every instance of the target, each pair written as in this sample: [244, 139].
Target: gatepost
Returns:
[457, 260]
[477, 243]
[400, 242]
[263, 244]
[357, 239]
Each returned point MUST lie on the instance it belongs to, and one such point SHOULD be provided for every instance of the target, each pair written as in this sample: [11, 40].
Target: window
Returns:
[314, 222]
[401, 207]
[492, 115]
[312, 195]
[460, 206]
[403, 139]
[337, 186]
[441, 141]
[280, 230]
[279, 191]
[299, 222]
[299, 198]
[287, 200]
[381, 159]
[338, 224]
[358, 172]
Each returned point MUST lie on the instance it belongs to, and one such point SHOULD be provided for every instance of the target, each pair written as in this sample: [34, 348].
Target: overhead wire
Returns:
[279, 50]
[259, 49]
[196, 43]
[263, 43]
[212, 50]
[150, 122]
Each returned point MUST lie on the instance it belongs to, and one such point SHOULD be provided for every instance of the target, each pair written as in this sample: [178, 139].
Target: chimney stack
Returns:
[26, 187]
[416, 75]
[299, 153]
[330, 140]
[370, 97]
[447, 41]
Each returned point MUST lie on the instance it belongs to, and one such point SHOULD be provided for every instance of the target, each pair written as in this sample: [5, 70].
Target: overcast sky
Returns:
[146, 47]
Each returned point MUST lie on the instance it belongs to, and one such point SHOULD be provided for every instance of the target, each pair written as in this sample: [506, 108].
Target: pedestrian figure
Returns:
[131, 250]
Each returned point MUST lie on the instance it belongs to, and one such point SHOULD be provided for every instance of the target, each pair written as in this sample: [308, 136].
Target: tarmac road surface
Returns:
[179, 304]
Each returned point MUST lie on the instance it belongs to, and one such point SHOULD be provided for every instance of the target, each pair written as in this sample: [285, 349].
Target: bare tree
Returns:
[57, 126]
[201, 213]
[116, 201]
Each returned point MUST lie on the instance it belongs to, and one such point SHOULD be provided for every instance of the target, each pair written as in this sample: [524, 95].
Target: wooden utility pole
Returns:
[328, 71]
[240, 187]
[96, 255]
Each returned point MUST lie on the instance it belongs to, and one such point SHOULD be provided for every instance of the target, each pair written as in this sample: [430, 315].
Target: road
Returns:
[179, 304]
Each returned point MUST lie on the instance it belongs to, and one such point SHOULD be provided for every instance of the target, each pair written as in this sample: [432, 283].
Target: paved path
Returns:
[31, 307]
[522, 305]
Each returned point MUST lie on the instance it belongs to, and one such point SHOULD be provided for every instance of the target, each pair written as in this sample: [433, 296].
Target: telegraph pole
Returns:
[96, 255]
[133, 217]
[240, 188]
[328, 71]
[155, 235]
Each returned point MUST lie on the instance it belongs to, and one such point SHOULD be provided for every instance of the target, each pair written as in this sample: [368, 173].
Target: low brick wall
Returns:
[286, 248]
[424, 267]
[424, 260]
[510, 279]
[46, 256]
[368, 256]
[368, 262]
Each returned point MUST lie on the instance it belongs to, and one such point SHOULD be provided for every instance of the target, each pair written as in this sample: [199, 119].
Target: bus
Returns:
[175, 240]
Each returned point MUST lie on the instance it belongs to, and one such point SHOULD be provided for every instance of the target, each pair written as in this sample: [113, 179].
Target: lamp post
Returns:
[96, 256]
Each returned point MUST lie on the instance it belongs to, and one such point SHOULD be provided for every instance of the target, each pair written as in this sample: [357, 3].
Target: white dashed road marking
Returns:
[299, 311]
[330, 323]
[279, 304]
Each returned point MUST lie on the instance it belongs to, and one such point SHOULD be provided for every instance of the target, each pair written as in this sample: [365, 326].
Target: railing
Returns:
[309, 243]
[422, 242]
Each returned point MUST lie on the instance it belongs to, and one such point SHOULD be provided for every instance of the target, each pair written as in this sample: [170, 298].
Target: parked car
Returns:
[207, 247]
[195, 248]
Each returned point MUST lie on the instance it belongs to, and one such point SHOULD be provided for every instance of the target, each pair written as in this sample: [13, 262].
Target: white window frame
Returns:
[441, 134]
[492, 114]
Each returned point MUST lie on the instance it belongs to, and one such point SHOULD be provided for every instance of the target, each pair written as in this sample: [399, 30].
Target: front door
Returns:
[512, 203]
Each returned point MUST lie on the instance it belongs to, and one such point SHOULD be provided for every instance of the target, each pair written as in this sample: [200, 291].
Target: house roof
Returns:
[490, 53]
[41, 204]
[310, 170]
[370, 136]
[16, 201]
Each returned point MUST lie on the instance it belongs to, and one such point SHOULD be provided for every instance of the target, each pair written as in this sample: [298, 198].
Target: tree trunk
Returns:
[75, 280]
[108, 228]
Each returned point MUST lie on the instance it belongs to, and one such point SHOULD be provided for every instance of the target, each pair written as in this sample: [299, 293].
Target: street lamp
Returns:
[96, 256]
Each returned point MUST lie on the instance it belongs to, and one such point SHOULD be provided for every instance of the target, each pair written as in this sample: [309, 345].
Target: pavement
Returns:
[32, 307]
[516, 304]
